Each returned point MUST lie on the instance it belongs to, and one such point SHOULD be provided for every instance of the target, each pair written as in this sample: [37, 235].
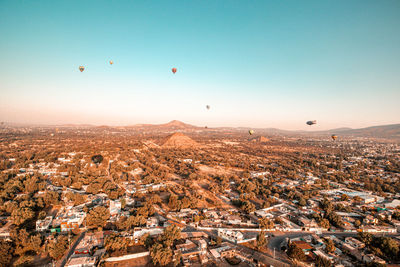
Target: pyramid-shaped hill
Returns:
[179, 140]
[260, 139]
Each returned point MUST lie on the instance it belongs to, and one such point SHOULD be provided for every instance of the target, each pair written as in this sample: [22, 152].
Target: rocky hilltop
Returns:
[179, 140]
[260, 139]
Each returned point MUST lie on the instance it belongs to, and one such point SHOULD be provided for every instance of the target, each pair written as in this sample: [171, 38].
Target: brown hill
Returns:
[260, 139]
[179, 140]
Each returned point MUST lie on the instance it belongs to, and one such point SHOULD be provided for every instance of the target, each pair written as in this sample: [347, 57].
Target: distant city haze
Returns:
[257, 64]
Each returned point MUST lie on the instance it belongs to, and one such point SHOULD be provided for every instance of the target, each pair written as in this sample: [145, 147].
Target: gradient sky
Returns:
[257, 63]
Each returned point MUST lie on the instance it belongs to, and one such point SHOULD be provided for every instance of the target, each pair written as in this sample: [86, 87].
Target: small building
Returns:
[354, 242]
[115, 207]
[89, 243]
[43, 225]
[234, 236]
[87, 261]
[369, 258]
[303, 246]
[152, 222]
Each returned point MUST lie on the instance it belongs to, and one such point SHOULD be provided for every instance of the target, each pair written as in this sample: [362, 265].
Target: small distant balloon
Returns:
[111, 62]
[174, 70]
[208, 106]
[334, 136]
[206, 127]
[97, 159]
[251, 132]
[81, 68]
[311, 122]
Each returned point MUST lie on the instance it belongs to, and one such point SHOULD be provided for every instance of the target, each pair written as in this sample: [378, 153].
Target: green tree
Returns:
[57, 247]
[261, 240]
[20, 216]
[173, 202]
[171, 233]
[155, 199]
[388, 246]
[6, 252]
[266, 223]
[365, 237]
[330, 247]
[116, 243]
[218, 241]
[322, 262]
[160, 254]
[97, 217]
[295, 252]
[248, 207]
[123, 203]
[42, 215]
[324, 223]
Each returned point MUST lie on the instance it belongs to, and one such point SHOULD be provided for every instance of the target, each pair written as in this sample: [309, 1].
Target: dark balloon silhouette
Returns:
[311, 122]
[97, 159]
[208, 107]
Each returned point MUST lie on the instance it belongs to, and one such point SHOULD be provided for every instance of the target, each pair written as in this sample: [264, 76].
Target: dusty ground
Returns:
[219, 170]
[138, 262]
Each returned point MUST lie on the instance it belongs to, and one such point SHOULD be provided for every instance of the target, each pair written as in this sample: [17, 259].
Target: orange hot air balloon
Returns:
[334, 136]
[174, 70]
[111, 62]
[81, 68]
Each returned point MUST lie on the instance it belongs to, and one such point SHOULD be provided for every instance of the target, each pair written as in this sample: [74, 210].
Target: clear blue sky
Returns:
[257, 63]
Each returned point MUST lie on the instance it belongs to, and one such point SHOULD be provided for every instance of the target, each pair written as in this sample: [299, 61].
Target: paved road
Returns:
[275, 242]
[264, 257]
[63, 261]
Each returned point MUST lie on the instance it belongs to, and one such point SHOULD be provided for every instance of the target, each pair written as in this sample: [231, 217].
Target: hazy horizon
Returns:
[261, 64]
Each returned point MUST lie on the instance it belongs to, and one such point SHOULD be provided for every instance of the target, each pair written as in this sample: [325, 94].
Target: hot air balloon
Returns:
[208, 107]
[174, 70]
[311, 122]
[97, 159]
[111, 62]
[206, 127]
[251, 132]
[334, 136]
[81, 68]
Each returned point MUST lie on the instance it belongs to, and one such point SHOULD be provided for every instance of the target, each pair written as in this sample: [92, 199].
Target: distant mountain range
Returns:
[170, 126]
[391, 131]
[383, 131]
